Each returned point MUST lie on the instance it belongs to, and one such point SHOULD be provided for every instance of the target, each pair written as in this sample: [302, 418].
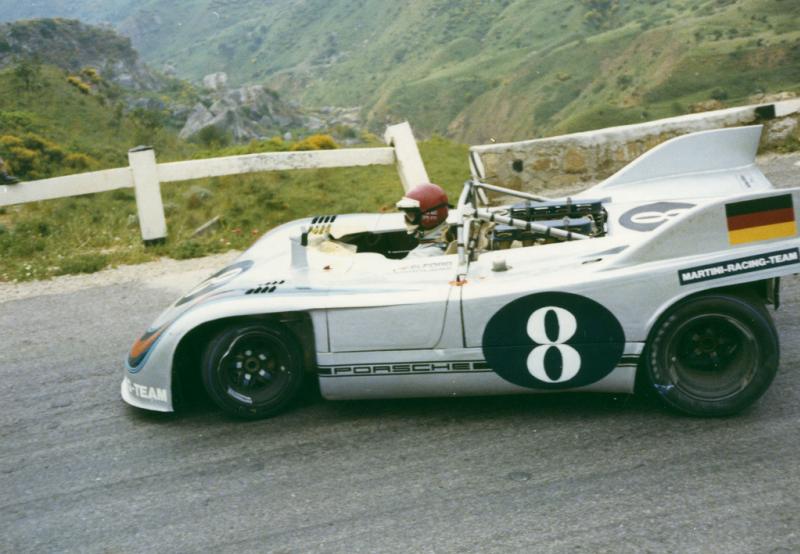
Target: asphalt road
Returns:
[82, 472]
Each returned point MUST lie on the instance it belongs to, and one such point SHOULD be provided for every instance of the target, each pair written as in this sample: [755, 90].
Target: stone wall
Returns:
[563, 162]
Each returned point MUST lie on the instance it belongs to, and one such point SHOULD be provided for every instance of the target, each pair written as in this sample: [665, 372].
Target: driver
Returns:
[425, 208]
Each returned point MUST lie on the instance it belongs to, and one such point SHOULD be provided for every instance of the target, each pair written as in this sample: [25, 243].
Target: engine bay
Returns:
[586, 217]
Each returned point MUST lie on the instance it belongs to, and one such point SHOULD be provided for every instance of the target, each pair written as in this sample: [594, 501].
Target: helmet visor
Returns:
[413, 216]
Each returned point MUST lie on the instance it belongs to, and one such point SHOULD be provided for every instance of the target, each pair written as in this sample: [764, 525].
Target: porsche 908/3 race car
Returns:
[665, 268]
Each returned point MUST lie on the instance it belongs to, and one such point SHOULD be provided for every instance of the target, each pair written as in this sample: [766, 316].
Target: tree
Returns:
[28, 73]
[212, 137]
[600, 13]
[148, 123]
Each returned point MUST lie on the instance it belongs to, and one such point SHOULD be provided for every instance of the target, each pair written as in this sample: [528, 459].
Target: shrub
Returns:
[11, 246]
[32, 228]
[36, 142]
[345, 131]
[624, 81]
[78, 83]
[30, 156]
[23, 157]
[212, 137]
[316, 142]
[719, 94]
[275, 144]
[123, 195]
[188, 249]
[91, 74]
[79, 162]
[10, 141]
[83, 263]
[17, 120]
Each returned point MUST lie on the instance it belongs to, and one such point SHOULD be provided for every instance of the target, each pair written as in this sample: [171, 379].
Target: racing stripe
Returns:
[143, 345]
[758, 219]
[763, 232]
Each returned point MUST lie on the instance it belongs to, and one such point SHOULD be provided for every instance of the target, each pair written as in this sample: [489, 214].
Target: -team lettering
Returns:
[145, 392]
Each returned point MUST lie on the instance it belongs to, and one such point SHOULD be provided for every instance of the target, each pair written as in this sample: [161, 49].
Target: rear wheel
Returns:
[252, 370]
[713, 355]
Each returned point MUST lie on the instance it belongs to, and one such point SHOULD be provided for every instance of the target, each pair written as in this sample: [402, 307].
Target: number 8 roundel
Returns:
[553, 340]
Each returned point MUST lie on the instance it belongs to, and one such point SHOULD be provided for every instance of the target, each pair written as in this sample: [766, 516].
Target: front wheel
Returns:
[252, 370]
[713, 355]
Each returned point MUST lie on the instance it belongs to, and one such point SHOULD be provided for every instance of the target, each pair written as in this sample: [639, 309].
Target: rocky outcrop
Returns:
[245, 113]
[216, 81]
[331, 116]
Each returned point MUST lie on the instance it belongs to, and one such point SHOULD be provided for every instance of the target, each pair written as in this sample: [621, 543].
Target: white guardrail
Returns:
[145, 175]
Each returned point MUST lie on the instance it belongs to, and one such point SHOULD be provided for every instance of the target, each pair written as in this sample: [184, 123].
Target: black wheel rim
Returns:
[255, 369]
[711, 357]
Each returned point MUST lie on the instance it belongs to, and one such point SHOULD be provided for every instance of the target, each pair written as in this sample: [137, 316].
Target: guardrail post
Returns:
[142, 160]
[409, 162]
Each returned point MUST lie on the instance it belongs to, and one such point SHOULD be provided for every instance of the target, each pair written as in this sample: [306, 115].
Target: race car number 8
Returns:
[552, 341]
[567, 325]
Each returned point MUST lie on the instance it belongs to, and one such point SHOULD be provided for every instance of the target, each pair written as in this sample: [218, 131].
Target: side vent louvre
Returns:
[267, 288]
[321, 224]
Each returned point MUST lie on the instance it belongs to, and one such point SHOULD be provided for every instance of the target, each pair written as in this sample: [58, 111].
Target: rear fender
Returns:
[707, 230]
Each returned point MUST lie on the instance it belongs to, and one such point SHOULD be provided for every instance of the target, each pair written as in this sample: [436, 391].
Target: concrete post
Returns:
[142, 160]
[409, 162]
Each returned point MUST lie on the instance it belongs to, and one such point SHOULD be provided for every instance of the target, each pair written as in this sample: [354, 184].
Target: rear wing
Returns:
[720, 162]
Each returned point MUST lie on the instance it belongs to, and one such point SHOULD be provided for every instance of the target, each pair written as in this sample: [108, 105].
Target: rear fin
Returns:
[717, 150]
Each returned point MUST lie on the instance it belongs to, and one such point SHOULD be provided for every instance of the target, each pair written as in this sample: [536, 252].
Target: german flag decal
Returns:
[761, 219]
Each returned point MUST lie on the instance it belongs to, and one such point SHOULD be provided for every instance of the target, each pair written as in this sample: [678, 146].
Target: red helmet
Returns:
[425, 206]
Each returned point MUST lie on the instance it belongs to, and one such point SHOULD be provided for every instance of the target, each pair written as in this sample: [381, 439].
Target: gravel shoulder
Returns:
[166, 273]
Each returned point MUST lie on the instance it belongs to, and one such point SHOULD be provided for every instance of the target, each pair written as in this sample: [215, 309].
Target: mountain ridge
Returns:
[474, 70]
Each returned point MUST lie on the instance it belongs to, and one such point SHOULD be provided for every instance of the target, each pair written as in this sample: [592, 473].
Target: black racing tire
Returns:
[713, 355]
[252, 370]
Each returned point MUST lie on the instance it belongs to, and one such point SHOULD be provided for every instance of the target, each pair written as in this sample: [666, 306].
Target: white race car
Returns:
[660, 273]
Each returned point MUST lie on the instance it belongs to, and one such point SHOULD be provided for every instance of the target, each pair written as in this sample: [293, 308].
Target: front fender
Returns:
[149, 384]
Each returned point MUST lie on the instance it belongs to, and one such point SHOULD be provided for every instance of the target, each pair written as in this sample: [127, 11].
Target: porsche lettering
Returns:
[403, 368]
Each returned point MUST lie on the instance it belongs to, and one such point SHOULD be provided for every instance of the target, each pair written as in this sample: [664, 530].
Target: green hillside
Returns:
[473, 69]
